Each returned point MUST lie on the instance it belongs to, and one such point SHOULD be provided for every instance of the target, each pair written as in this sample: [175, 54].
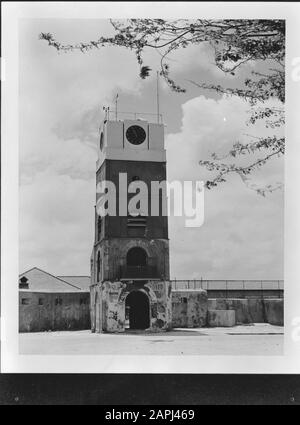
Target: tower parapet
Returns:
[131, 140]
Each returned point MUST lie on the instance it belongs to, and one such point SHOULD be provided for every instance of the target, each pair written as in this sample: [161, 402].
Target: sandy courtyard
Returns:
[257, 339]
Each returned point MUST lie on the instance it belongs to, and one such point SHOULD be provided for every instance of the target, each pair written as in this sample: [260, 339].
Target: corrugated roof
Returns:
[41, 281]
[82, 282]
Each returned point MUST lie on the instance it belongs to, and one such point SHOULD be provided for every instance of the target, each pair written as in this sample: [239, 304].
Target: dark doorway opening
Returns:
[136, 257]
[138, 310]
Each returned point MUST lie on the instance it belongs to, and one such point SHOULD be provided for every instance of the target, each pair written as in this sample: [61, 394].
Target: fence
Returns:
[243, 288]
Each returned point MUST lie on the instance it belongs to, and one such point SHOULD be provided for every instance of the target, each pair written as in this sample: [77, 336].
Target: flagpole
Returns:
[157, 96]
[117, 106]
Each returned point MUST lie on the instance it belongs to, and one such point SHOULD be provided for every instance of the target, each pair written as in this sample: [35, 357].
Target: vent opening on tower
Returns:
[136, 221]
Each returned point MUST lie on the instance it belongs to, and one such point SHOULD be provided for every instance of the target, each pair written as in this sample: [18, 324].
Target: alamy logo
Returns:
[181, 199]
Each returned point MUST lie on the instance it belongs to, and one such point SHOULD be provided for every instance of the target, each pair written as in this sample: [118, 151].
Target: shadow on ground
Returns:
[177, 332]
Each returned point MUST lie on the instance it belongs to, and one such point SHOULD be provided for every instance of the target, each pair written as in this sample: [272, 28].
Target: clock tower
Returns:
[130, 287]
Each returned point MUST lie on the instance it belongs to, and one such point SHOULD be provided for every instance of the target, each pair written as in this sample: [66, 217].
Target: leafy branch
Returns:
[235, 43]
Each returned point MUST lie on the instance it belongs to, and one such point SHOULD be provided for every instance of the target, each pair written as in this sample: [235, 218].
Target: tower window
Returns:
[41, 301]
[98, 266]
[101, 141]
[136, 257]
[184, 300]
[25, 301]
[99, 228]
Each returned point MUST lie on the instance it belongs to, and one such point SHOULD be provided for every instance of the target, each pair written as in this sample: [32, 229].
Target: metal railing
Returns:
[115, 115]
[138, 272]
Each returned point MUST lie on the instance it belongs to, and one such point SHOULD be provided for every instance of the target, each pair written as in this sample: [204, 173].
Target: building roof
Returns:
[41, 281]
[83, 282]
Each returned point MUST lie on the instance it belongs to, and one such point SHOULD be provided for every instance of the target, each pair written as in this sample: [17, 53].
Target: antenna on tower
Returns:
[157, 94]
[105, 112]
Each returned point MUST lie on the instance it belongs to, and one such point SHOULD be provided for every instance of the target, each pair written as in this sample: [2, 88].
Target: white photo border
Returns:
[11, 360]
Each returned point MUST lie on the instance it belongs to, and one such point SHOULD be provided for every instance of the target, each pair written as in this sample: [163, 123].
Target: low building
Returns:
[51, 303]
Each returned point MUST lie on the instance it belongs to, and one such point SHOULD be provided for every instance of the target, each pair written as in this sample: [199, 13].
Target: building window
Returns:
[184, 300]
[41, 301]
[58, 301]
[82, 301]
[99, 228]
[25, 301]
[101, 141]
[98, 266]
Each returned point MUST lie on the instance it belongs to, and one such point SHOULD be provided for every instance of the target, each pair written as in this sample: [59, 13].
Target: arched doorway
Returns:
[136, 257]
[138, 310]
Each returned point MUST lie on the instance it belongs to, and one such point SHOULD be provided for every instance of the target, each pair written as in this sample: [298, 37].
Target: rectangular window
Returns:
[58, 301]
[41, 301]
[184, 300]
[25, 301]
[82, 301]
[99, 228]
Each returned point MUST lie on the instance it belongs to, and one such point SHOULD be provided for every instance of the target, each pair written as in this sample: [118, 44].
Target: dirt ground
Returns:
[257, 339]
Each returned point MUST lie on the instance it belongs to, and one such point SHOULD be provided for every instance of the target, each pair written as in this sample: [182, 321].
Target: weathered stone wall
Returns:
[222, 318]
[96, 308]
[189, 309]
[241, 307]
[274, 312]
[108, 305]
[251, 310]
[43, 311]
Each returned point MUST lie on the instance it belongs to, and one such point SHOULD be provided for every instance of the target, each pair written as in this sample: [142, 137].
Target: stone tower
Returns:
[130, 286]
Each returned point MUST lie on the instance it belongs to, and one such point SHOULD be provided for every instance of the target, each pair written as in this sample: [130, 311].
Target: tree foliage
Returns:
[234, 43]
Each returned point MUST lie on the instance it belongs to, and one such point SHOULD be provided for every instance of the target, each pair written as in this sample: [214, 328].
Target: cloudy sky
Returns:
[60, 111]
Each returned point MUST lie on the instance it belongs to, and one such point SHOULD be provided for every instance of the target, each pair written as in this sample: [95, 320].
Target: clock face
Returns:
[136, 135]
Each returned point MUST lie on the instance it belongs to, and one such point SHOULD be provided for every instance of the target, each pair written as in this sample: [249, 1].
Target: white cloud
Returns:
[56, 223]
[195, 56]
[242, 235]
